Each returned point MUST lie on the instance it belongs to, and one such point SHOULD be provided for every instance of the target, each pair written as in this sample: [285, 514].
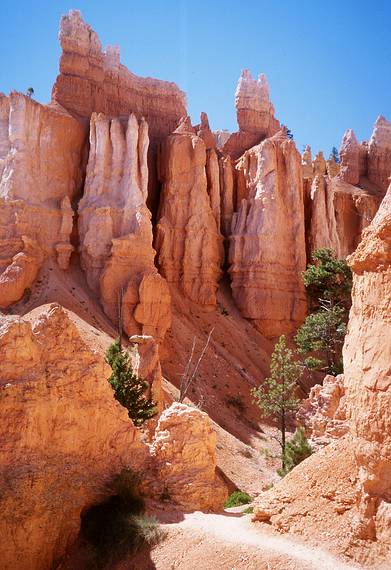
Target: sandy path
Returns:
[224, 531]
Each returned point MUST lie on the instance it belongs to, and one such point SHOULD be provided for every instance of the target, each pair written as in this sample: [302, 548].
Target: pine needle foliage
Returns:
[128, 388]
[296, 450]
[328, 279]
[276, 396]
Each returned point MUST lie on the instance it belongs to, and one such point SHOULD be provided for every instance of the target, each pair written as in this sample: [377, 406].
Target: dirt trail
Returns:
[230, 541]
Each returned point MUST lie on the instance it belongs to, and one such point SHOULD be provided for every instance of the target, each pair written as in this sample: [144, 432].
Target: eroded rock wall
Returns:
[188, 240]
[115, 227]
[41, 149]
[93, 80]
[267, 241]
[63, 436]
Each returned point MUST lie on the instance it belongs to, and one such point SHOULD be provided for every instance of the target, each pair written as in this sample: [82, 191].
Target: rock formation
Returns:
[188, 242]
[40, 176]
[353, 158]
[340, 201]
[92, 80]
[323, 413]
[351, 477]
[255, 114]
[63, 435]
[115, 227]
[184, 460]
[337, 213]
[379, 154]
[267, 242]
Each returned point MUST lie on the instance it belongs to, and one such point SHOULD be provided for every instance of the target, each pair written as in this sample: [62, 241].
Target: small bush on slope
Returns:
[296, 450]
[117, 527]
[236, 499]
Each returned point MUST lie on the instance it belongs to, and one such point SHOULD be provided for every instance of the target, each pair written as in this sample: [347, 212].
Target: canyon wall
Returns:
[267, 241]
[344, 489]
[40, 177]
[342, 200]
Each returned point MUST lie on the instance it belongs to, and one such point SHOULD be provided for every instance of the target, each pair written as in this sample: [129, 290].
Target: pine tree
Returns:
[276, 397]
[30, 92]
[328, 282]
[335, 155]
[296, 450]
[129, 390]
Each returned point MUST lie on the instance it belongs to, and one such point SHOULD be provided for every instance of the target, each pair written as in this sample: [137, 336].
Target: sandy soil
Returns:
[230, 541]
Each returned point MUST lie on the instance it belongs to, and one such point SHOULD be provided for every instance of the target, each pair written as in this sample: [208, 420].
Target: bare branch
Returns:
[187, 378]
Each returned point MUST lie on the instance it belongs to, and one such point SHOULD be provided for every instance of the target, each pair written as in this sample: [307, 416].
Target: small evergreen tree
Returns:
[129, 390]
[276, 397]
[324, 332]
[328, 278]
[296, 450]
[335, 155]
[30, 92]
[328, 282]
[289, 134]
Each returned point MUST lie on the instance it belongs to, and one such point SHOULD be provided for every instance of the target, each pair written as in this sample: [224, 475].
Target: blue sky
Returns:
[328, 63]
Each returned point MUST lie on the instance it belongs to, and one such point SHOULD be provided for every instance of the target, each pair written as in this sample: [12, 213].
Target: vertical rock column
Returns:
[115, 227]
[188, 241]
[267, 245]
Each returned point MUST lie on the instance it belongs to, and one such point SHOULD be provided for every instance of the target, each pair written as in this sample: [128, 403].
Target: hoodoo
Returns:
[148, 266]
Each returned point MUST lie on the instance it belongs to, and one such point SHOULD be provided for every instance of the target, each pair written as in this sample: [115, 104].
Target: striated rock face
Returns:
[360, 494]
[267, 243]
[188, 241]
[367, 357]
[184, 460]
[323, 413]
[115, 227]
[379, 154]
[254, 110]
[40, 175]
[353, 158]
[337, 213]
[147, 366]
[63, 435]
[255, 115]
[94, 80]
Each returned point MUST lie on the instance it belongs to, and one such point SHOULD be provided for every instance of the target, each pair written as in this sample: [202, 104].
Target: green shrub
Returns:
[296, 450]
[236, 499]
[129, 389]
[248, 511]
[117, 527]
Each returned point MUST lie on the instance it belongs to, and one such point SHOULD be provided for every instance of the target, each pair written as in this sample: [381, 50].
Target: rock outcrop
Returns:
[188, 241]
[92, 80]
[337, 213]
[323, 413]
[267, 242]
[353, 158]
[40, 176]
[116, 231]
[184, 460]
[255, 115]
[379, 154]
[344, 490]
[63, 435]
